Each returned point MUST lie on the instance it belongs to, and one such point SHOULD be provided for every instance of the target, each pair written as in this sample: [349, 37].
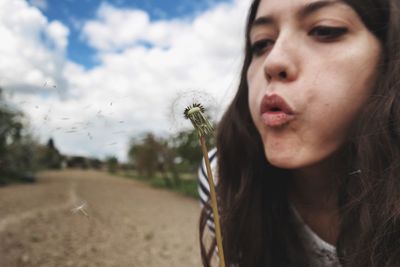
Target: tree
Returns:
[186, 144]
[168, 167]
[153, 154]
[10, 127]
[112, 164]
[17, 147]
[51, 157]
[21, 157]
[145, 155]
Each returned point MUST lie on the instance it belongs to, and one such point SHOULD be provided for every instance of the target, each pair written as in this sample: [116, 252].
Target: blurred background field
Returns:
[97, 164]
[170, 161]
[63, 210]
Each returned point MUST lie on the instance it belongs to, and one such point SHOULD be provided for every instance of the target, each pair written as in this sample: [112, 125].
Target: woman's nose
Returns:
[281, 63]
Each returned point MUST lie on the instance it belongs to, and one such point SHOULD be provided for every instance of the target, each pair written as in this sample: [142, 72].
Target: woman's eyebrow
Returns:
[304, 11]
[313, 7]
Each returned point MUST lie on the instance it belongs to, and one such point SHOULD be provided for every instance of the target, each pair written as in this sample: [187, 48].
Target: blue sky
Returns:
[95, 74]
[73, 12]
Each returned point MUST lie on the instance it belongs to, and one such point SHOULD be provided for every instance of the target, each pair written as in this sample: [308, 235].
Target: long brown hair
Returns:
[258, 225]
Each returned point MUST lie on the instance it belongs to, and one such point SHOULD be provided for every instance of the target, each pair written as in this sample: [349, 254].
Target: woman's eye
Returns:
[260, 46]
[325, 33]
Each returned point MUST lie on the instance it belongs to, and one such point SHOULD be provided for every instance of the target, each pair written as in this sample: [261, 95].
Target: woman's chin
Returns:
[284, 160]
[282, 163]
[290, 159]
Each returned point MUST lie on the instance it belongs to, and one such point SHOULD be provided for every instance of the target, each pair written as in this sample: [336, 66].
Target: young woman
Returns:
[308, 152]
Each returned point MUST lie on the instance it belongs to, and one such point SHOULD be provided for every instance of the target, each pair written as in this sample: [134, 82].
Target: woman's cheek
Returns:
[332, 124]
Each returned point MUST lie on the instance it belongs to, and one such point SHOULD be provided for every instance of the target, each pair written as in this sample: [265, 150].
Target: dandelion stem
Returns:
[214, 204]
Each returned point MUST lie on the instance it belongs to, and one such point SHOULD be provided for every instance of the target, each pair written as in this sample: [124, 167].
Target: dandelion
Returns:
[195, 113]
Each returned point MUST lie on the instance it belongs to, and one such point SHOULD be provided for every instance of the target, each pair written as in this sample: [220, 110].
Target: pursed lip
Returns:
[275, 112]
[270, 102]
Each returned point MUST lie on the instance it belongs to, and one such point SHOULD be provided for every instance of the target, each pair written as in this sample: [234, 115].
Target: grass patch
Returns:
[5, 180]
[187, 186]
[13, 179]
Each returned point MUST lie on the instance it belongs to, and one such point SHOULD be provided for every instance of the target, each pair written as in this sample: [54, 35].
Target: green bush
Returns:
[186, 186]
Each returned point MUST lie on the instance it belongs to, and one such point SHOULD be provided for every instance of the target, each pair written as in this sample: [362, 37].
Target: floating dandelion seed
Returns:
[99, 115]
[47, 83]
[80, 208]
[355, 172]
[119, 132]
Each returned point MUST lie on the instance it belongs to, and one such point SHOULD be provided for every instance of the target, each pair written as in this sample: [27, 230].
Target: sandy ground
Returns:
[128, 223]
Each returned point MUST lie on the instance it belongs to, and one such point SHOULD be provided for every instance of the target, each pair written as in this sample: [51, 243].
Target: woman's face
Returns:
[322, 60]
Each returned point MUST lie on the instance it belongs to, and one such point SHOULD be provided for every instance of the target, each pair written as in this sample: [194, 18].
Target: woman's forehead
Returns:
[299, 8]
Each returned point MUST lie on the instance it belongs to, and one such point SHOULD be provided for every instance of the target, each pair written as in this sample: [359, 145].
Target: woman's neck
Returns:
[315, 187]
[313, 192]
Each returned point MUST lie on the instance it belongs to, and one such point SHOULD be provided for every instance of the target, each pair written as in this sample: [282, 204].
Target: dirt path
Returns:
[128, 224]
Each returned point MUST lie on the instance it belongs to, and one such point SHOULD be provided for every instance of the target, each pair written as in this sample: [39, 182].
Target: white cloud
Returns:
[199, 53]
[116, 29]
[132, 89]
[32, 49]
[58, 33]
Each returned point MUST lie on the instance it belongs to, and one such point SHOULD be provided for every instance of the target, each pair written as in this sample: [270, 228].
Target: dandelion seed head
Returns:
[201, 124]
[210, 106]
